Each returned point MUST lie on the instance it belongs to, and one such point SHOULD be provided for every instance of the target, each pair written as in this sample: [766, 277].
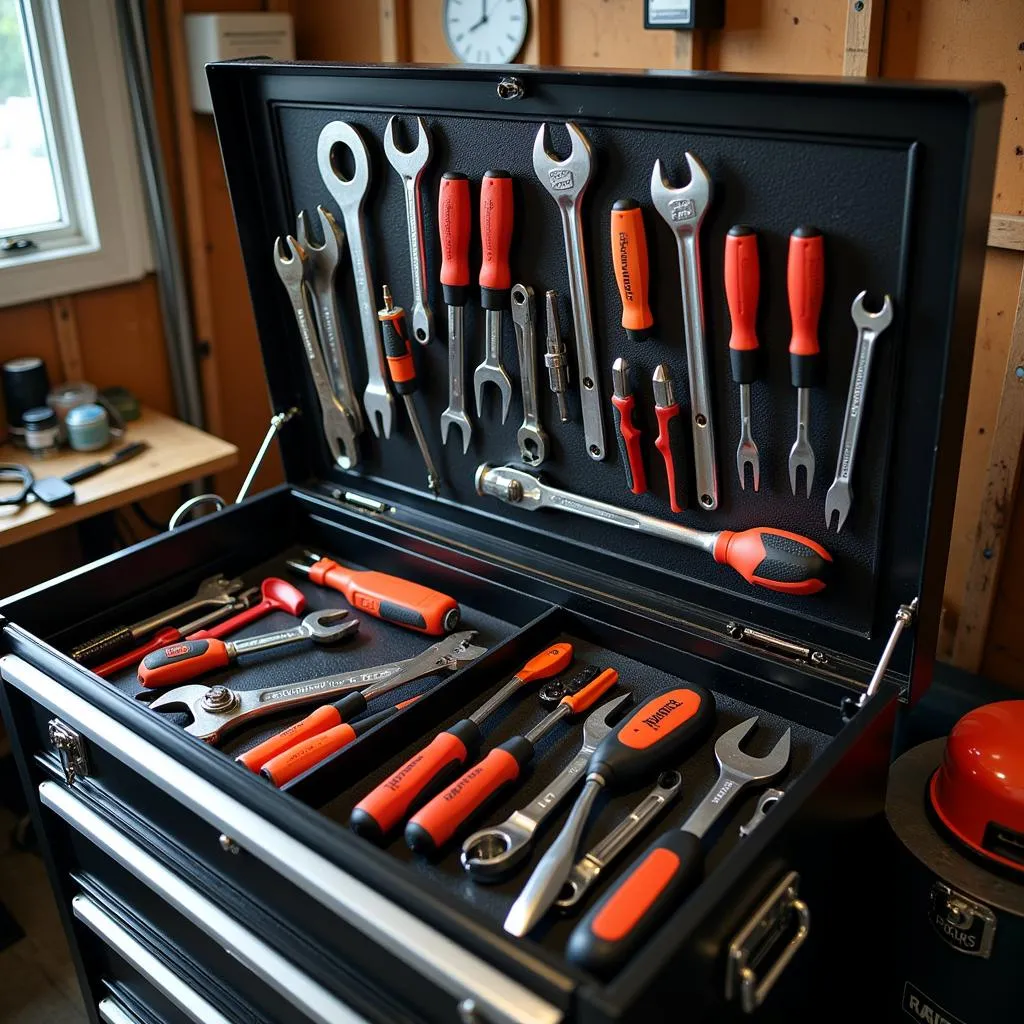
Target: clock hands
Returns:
[483, 17]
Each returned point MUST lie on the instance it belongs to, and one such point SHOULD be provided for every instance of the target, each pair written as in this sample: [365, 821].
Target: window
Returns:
[71, 210]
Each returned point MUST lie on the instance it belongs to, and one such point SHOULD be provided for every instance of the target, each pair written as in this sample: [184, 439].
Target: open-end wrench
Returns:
[491, 853]
[566, 181]
[533, 442]
[350, 194]
[683, 209]
[410, 166]
[215, 710]
[323, 261]
[764, 556]
[869, 327]
[645, 896]
[294, 270]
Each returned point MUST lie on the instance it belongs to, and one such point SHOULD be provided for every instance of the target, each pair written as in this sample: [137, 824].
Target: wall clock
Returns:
[486, 31]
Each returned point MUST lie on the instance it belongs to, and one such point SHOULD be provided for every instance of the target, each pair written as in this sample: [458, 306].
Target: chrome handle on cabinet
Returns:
[112, 1012]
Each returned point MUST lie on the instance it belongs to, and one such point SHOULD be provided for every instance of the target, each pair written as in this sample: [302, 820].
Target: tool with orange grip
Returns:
[766, 557]
[402, 369]
[453, 219]
[628, 433]
[496, 213]
[432, 826]
[383, 596]
[671, 439]
[383, 809]
[643, 899]
[742, 285]
[805, 281]
[632, 275]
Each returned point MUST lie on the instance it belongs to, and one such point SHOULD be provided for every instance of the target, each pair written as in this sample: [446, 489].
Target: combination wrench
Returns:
[410, 166]
[869, 327]
[566, 182]
[533, 442]
[683, 209]
[350, 194]
[294, 270]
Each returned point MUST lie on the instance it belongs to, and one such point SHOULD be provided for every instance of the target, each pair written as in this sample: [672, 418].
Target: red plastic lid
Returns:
[978, 790]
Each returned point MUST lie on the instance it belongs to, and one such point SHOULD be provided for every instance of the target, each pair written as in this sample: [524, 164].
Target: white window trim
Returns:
[112, 245]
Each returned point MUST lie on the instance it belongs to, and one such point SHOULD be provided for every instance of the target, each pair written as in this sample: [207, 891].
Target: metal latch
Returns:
[775, 644]
[70, 748]
[769, 925]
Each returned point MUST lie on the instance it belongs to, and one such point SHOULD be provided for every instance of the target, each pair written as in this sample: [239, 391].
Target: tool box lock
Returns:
[70, 749]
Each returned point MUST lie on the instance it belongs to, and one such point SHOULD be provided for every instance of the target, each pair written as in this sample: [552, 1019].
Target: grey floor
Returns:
[37, 981]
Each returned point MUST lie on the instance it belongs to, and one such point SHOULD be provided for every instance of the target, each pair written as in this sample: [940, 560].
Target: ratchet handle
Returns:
[496, 211]
[775, 559]
[136, 654]
[435, 823]
[805, 280]
[178, 663]
[742, 285]
[103, 645]
[640, 902]
[453, 218]
[382, 809]
[550, 662]
[630, 450]
[671, 442]
[629, 258]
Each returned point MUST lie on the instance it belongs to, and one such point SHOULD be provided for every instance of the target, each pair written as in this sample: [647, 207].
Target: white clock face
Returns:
[485, 31]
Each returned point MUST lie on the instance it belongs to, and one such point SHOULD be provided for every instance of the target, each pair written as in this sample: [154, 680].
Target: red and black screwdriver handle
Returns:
[180, 662]
[805, 281]
[454, 222]
[496, 212]
[742, 285]
[775, 559]
[671, 442]
[630, 447]
[397, 348]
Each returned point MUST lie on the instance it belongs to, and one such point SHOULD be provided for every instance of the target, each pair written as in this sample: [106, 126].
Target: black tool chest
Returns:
[192, 890]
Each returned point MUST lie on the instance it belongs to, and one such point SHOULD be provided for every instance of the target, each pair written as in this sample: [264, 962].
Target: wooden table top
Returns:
[177, 454]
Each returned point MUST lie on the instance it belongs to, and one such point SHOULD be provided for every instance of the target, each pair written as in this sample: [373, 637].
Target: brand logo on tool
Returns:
[662, 714]
[682, 209]
[561, 179]
[627, 279]
[654, 721]
[176, 650]
[919, 1006]
[966, 925]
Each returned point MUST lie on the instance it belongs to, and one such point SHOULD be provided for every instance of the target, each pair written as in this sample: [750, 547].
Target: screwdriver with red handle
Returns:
[628, 433]
[671, 439]
[742, 285]
[438, 820]
[632, 275]
[384, 596]
[385, 807]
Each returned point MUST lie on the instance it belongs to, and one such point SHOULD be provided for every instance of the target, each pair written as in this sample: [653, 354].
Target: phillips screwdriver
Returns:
[628, 433]
[554, 358]
[384, 596]
[437, 821]
[742, 284]
[629, 258]
[398, 350]
[381, 810]
[805, 280]
[652, 737]
[671, 440]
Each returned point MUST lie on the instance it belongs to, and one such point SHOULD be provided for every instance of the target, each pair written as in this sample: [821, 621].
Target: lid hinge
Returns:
[775, 644]
[905, 615]
[362, 503]
[70, 749]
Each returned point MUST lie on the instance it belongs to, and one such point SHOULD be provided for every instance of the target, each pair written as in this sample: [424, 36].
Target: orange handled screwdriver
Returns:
[381, 810]
[629, 258]
[805, 280]
[630, 450]
[385, 597]
[454, 219]
[742, 284]
[434, 824]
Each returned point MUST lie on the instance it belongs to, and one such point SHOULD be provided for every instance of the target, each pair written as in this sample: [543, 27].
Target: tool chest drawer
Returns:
[586, 718]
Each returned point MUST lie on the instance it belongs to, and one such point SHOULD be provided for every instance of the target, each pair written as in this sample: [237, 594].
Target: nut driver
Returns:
[555, 359]
[645, 896]
[655, 735]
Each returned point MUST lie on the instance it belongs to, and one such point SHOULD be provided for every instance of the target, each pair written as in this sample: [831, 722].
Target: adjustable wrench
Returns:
[323, 261]
[869, 327]
[566, 181]
[683, 209]
[294, 270]
[410, 166]
[349, 194]
[533, 442]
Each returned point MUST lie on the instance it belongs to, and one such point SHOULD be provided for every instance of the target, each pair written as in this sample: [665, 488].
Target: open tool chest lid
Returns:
[898, 178]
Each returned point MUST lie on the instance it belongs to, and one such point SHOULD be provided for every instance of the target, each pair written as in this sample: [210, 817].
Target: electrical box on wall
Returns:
[684, 14]
[211, 37]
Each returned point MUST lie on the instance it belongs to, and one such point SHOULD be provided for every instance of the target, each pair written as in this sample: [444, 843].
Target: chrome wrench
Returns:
[566, 181]
[869, 327]
[294, 270]
[323, 260]
[349, 194]
[533, 442]
[410, 166]
[491, 853]
[683, 209]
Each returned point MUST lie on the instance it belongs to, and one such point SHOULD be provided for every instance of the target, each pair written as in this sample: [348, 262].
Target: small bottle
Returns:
[42, 431]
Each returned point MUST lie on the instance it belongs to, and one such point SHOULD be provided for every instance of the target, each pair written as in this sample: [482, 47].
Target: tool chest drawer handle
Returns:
[439, 959]
[112, 1012]
[252, 952]
[161, 977]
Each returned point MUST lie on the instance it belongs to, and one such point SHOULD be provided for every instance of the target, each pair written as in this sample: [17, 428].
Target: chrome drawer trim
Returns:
[156, 973]
[252, 952]
[499, 999]
[114, 1013]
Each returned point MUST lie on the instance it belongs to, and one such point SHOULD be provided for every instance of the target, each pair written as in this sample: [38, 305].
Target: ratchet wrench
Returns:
[533, 442]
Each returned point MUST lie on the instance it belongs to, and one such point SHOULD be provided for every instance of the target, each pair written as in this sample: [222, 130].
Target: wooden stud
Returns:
[1006, 232]
[394, 31]
[540, 46]
[690, 49]
[66, 329]
[862, 50]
